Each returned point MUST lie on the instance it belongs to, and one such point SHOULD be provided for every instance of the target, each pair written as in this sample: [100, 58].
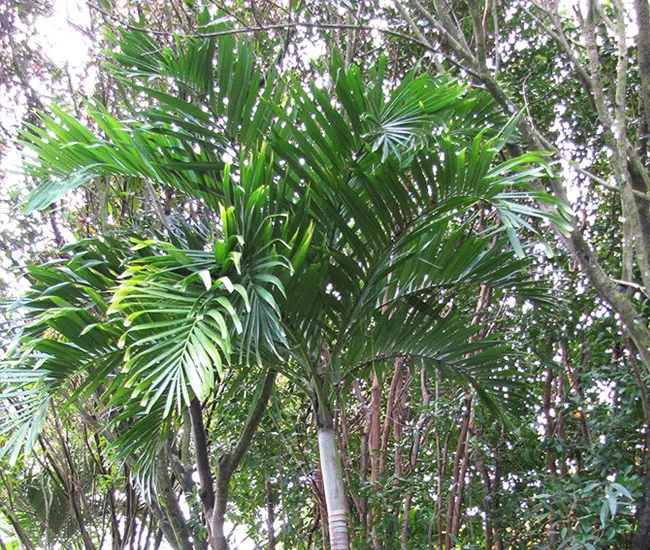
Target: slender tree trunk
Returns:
[322, 509]
[363, 459]
[641, 540]
[330, 464]
[216, 530]
[458, 502]
[270, 514]
[406, 519]
[643, 43]
[343, 429]
[158, 540]
[20, 533]
[417, 441]
[173, 525]
[374, 447]
[501, 443]
[559, 423]
[484, 473]
[393, 394]
[456, 487]
[398, 420]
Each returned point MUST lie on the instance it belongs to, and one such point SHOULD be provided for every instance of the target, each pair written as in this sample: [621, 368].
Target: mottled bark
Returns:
[418, 435]
[174, 526]
[393, 392]
[643, 44]
[24, 539]
[363, 458]
[641, 540]
[374, 445]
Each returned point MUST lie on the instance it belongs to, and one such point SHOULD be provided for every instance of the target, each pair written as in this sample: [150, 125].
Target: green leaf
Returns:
[205, 277]
[604, 511]
[613, 503]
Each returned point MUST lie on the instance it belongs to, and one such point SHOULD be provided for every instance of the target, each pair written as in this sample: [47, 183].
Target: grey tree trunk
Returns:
[330, 464]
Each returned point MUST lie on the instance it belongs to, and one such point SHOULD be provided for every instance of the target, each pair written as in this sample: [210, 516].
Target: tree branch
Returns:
[264, 28]
[229, 462]
[253, 421]
[206, 491]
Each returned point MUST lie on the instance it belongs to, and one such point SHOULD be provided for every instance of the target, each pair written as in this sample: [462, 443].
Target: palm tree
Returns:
[395, 206]
[342, 228]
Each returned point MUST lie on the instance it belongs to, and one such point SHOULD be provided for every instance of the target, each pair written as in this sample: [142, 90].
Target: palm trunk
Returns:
[330, 464]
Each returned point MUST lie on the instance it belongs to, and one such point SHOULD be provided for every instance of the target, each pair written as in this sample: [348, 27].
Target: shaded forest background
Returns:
[514, 413]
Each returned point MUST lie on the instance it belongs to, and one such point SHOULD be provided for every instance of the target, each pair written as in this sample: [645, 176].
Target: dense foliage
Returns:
[347, 275]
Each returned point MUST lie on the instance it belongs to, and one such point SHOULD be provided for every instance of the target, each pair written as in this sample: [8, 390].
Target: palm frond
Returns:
[67, 347]
[179, 316]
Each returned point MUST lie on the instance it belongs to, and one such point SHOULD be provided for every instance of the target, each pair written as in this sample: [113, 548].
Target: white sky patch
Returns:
[310, 49]
[377, 35]
[57, 35]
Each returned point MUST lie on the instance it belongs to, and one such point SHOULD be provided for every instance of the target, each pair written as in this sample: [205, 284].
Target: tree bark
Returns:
[393, 394]
[641, 540]
[173, 525]
[20, 533]
[415, 449]
[322, 509]
[455, 493]
[458, 503]
[643, 43]
[363, 459]
[374, 445]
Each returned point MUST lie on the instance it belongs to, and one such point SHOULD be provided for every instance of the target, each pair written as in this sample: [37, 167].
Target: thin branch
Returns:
[479, 35]
[631, 284]
[206, 491]
[253, 421]
[446, 32]
[158, 209]
[264, 28]
[560, 37]
[495, 18]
